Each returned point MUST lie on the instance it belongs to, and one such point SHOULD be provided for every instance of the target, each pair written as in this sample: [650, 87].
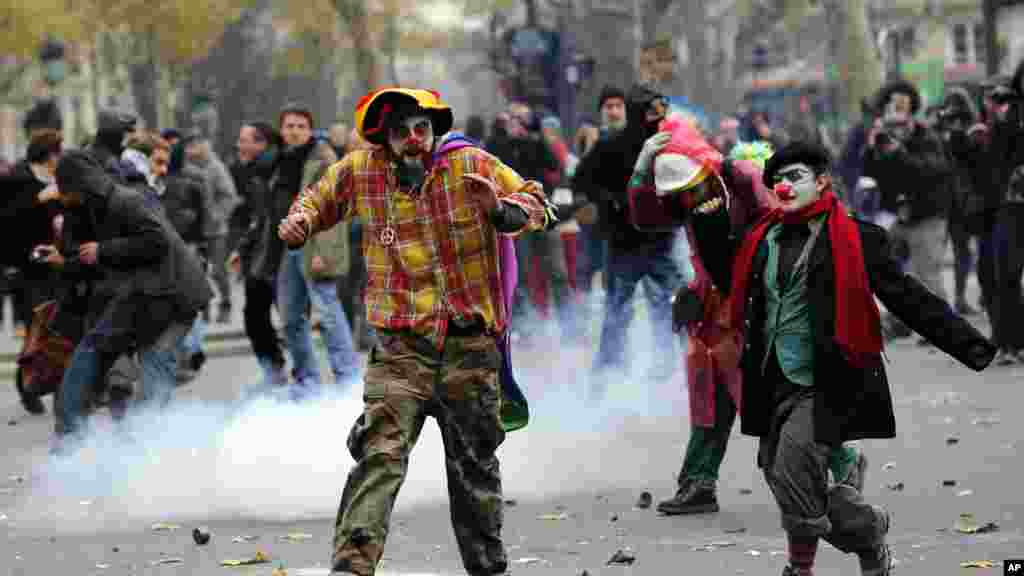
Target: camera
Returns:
[40, 254]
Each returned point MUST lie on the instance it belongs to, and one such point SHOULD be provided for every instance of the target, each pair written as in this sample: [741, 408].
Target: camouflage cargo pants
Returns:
[407, 380]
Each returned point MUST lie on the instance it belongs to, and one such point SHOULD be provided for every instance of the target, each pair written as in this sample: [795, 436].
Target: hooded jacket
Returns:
[603, 177]
[139, 252]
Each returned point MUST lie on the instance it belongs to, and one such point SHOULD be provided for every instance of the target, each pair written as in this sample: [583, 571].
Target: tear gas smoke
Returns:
[266, 458]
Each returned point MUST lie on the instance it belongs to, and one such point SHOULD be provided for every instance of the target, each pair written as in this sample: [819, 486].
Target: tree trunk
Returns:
[354, 14]
[145, 77]
[532, 18]
[991, 9]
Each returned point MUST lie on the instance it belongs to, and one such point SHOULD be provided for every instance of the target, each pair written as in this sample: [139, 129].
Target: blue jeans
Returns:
[192, 342]
[89, 365]
[336, 331]
[160, 366]
[293, 302]
[660, 273]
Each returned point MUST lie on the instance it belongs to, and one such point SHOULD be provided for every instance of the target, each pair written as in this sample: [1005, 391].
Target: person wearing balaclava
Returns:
[438, 211]
[801, 286]
[633, 255]
[112, 130]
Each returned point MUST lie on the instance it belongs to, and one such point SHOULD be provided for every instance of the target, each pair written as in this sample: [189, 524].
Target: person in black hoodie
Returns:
[147, 286]
[633, 255]
[29, 211]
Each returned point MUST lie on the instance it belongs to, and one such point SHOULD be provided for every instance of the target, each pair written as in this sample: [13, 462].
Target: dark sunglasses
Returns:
[420, 130]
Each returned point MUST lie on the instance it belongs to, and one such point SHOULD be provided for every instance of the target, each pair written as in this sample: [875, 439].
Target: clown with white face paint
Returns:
[439, 213]
[798, 186]
[802, 284]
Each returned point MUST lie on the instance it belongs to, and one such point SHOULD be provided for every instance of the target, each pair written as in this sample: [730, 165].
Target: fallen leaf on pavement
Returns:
[165, 561]
[977, 564]
[162, 527]
[622, 557]
[986, 421]
[645, 500]
[559, 516]
[259, 558]
[297, 537]
[966, 524]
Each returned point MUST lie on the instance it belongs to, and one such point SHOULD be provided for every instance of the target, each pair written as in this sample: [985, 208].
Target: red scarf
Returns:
[857, 320]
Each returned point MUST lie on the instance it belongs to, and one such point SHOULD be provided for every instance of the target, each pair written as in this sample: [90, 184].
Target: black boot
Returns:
[29, 401]
[693, 497]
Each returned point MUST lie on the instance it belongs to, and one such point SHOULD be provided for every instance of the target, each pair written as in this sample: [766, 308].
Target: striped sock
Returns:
[801, 555]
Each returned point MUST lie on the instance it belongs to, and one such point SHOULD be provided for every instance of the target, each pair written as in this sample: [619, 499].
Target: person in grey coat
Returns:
[225, 198]
[152, 284]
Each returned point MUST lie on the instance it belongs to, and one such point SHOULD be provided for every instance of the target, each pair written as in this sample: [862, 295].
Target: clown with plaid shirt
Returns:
[437, 211]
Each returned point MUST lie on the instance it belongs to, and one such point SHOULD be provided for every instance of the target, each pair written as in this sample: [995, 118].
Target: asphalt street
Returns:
[265, 476]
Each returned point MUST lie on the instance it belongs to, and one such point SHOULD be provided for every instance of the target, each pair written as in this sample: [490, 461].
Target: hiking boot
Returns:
[878, 561]
[31, 402]
[1005, 358]
[857, 473]
[693, 497]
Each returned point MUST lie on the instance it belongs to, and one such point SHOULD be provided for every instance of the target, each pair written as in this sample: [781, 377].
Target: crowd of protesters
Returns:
[131, 234]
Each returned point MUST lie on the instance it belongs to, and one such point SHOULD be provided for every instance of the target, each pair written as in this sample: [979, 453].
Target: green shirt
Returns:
[788, 329]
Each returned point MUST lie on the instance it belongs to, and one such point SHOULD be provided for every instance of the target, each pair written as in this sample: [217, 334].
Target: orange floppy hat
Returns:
[373, 110]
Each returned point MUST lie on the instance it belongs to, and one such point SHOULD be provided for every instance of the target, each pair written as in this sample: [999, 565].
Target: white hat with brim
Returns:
[676, 173]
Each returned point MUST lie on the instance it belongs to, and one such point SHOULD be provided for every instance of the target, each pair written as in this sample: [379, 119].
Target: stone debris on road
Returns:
[645, 501]
[622, 557]
[201, 536]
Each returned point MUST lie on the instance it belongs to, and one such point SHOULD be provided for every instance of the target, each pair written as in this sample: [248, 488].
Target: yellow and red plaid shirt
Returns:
[444, 261]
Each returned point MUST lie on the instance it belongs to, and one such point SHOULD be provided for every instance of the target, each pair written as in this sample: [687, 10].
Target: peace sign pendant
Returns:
[387, 236]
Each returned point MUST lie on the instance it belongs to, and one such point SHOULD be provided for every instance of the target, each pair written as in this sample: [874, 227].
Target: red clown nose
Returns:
[784, 190]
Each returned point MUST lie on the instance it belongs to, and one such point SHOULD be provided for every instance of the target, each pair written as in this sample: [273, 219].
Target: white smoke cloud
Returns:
[264, 458]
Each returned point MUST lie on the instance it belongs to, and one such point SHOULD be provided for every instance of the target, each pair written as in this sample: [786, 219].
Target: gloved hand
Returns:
[686, 308]
[652, 146]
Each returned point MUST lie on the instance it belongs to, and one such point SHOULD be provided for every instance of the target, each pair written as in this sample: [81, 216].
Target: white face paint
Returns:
[796, 187]
[412, 138]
